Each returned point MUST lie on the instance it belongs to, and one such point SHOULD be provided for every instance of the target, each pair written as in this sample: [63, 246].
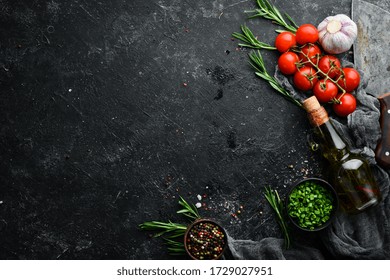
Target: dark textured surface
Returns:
[112, 109]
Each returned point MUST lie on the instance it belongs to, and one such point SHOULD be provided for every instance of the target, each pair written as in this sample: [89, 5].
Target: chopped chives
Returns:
[310, 205]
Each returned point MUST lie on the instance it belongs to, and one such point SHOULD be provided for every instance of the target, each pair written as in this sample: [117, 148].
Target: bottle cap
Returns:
[317, 113]
[311, 104]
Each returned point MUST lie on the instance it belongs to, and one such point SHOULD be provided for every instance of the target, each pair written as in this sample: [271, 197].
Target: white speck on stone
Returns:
[1, 202]
[387, 154]
[70, 90]
[207, 187]
[199, 197]
[198, 205]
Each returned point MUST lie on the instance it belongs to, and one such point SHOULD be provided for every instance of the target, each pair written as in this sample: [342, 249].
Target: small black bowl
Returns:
[326, 186]
[222, 240]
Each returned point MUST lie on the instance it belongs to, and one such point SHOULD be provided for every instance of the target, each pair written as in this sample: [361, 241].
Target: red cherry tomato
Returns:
[284, 41]
[306, 33]
[325, 90]
[287, 63]
[347, 105]
[310, 51]
[330, 65]
[349, 79]
[305, 78]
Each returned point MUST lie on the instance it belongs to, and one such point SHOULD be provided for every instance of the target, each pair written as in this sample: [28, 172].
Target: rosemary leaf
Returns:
[291, 20]
[176, 234]
[162, 228]
[175, 252]
[263, 76]
[174, 244]
[175, 247]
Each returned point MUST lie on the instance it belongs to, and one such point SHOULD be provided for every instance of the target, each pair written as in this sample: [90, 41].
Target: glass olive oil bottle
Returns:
[349, 172]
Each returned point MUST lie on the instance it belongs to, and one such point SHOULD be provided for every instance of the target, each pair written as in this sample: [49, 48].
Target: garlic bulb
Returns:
[337, 33]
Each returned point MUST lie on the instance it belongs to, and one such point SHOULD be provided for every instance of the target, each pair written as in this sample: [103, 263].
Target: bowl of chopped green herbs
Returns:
[312, 204]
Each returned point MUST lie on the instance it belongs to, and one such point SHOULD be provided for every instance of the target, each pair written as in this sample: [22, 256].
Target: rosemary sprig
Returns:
[250, 41]
[188, 210]
[268, 11]
[171, 231]
[257, 62]
[175, 247]
[276, 203]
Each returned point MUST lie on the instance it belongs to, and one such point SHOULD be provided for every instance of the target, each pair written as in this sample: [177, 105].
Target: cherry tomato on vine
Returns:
[305, 78]
[349, 79]
[325, 90]
[284, 41]
[330, 65]
[310, 51]
[347, 105]
[306, 33]
[287, 63]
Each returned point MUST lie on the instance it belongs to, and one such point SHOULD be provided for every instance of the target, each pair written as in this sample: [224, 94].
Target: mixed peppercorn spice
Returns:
[205, 240]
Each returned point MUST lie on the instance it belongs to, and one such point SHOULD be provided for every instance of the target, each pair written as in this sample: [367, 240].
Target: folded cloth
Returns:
[270, 248]
[362, 236]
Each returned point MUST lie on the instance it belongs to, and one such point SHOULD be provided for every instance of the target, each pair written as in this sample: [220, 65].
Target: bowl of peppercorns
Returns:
[312, 204]
[205, 239]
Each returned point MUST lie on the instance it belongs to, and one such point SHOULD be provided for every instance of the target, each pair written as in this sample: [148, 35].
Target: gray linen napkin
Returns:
[362, 236]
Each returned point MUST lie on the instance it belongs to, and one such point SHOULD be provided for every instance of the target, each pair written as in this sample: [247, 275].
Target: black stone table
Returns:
[111, 110]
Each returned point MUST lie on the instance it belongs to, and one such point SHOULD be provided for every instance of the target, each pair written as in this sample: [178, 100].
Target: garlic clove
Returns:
[336, 43]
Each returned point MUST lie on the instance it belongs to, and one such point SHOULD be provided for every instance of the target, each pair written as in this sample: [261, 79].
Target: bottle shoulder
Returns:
[353, 161]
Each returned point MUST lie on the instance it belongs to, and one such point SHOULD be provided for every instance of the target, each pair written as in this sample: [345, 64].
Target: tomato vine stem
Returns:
[315, 65]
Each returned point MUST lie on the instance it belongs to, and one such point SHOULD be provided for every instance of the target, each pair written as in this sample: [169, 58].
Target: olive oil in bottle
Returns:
[349, 172]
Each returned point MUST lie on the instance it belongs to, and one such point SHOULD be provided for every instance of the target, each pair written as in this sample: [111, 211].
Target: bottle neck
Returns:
[318, 116]
[333, 146]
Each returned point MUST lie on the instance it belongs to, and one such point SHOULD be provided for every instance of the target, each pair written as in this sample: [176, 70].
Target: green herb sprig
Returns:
[268, 11]
[276, 203]
[188, 210]
[169, 228]
[171, 231]
[175, 247]
[257, 62]
[250, 41]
